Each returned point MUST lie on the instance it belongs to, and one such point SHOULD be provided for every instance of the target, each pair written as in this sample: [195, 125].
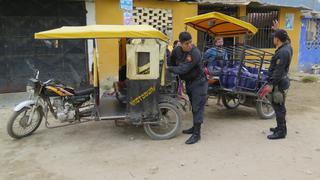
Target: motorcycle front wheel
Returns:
[18, 125]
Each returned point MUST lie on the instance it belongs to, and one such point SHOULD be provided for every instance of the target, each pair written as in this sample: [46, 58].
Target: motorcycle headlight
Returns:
[30, 89]
[33, 86]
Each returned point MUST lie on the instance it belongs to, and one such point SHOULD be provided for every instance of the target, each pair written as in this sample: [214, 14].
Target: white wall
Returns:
[91, 19]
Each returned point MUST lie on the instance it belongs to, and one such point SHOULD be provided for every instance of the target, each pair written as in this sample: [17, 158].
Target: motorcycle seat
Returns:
[87, 91]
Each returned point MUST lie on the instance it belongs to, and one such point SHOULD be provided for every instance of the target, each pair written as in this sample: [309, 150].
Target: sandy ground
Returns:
[233, 147]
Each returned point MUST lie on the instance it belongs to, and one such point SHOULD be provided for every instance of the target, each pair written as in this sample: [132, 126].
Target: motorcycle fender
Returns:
[170, 100]
[27, 103]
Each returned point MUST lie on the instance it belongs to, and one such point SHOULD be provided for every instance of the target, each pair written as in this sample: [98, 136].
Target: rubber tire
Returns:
[156, 136]
[13, 118]
[224, 101]
[260, 112]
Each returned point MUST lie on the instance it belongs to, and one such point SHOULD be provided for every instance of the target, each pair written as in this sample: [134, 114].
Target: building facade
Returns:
[70, 61]
[261, 16]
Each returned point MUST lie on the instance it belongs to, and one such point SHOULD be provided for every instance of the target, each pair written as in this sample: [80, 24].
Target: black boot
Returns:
[279, 134]
[188, 131]
[196, 135]
[274, 129]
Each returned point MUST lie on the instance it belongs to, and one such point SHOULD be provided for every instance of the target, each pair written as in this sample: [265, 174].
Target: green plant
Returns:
[310, 79]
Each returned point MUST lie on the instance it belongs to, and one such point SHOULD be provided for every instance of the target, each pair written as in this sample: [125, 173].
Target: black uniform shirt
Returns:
[186, 64]
[280, 63]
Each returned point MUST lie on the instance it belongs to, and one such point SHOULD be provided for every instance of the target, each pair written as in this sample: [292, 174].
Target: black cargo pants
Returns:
[197, 93]
[280, 108]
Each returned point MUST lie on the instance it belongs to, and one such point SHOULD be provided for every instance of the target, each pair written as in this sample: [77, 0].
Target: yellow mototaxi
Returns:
[142, 49]
[244, 73]
[219, 24]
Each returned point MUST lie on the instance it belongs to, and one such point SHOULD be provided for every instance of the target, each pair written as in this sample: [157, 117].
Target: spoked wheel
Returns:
[265, 109]
[167, 126]
[230, 102]
[18, 125]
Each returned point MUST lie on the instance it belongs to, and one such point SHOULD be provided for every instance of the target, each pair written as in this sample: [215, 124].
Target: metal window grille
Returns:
[262, 19]
[313, 33]
[20, 53]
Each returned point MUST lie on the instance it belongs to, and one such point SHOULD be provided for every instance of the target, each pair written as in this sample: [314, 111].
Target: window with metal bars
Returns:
[262, 19]
[313, 33]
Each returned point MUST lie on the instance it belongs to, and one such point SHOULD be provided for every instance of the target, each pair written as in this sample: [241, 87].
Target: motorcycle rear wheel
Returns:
[168, 126]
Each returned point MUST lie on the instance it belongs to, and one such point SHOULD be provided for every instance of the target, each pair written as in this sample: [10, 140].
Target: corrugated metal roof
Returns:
[302, 4]
[232, 2]
[313, 5]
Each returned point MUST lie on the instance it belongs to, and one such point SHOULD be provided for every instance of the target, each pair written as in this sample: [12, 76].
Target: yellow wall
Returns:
[293, 34]
[242, 11]
[109, 12]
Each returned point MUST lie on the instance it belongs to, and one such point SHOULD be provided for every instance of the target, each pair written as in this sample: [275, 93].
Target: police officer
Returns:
[278, 81]
[188, 66]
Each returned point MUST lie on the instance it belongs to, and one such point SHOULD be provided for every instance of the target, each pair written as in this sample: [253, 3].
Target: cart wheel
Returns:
[168, 126]
[230, 102]
[265, 109]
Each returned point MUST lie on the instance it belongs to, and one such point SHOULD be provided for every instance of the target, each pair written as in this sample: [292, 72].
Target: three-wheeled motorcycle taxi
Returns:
[139, 98]
[244, 72]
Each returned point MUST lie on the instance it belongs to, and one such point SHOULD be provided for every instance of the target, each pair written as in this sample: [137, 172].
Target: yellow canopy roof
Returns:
[220, 24]
[102, 32]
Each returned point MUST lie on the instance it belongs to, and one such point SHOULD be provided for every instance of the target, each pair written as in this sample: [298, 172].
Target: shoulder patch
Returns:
[278, 61]
[189, 58]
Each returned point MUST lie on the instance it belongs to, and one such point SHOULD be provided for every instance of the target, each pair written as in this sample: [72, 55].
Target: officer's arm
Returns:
[280, 67]
[269, 75]
[270, 72]
[185, 66]
[173, 57]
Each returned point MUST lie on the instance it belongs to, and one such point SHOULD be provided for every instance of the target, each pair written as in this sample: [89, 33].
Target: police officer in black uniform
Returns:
[278, 81]
[188, 66]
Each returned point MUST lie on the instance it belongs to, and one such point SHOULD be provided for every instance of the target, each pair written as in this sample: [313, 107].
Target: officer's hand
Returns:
[206, 71]
[275, 24]
[265, 90]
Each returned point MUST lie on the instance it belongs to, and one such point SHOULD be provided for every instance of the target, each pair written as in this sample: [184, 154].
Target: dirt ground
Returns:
[233, 147]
